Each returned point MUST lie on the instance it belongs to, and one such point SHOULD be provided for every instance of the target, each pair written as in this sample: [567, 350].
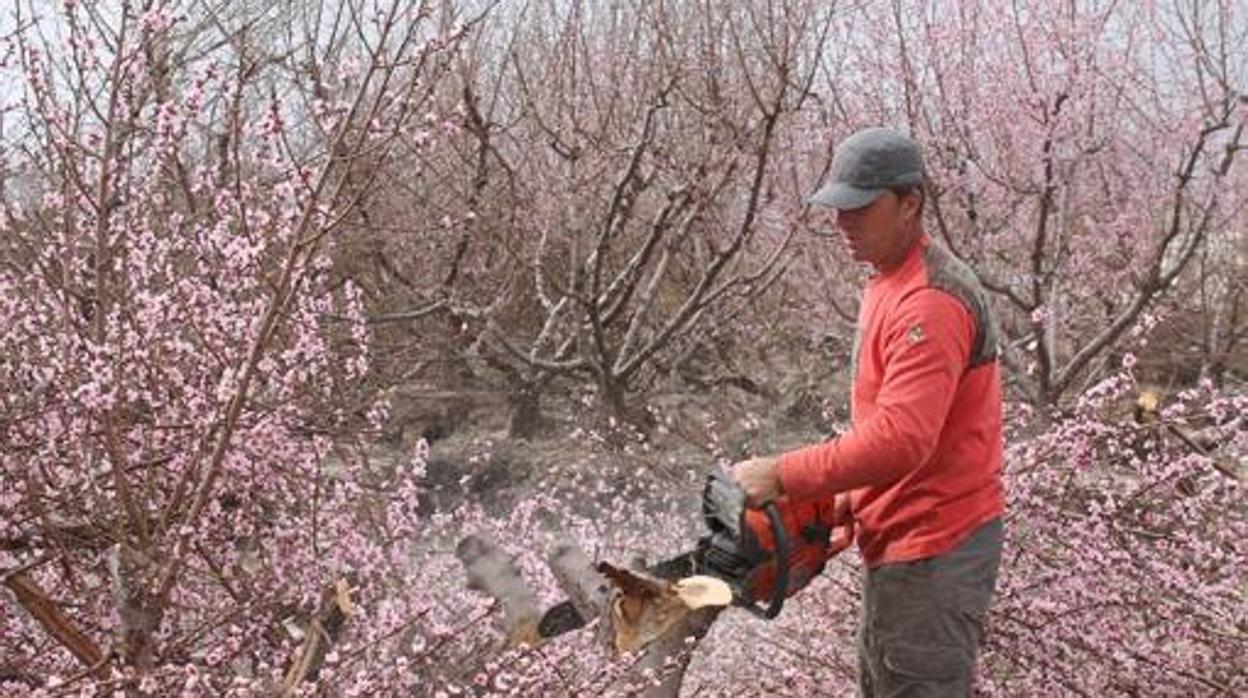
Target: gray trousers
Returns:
[922, 620]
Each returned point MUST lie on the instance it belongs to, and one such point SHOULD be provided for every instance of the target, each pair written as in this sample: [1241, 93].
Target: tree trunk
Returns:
[626, 416]
[524, 398]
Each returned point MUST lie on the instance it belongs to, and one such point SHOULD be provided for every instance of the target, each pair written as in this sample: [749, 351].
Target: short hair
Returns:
[903, 190]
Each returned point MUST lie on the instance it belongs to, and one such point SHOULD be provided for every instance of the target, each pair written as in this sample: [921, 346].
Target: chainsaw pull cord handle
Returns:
[781, 538]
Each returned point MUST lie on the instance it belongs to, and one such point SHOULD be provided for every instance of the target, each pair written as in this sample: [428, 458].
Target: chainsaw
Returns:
[764, 556]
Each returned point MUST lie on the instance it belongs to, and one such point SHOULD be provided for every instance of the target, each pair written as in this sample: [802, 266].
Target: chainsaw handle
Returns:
[781, 586]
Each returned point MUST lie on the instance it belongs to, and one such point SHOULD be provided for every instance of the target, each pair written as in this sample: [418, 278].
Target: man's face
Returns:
[881, 232]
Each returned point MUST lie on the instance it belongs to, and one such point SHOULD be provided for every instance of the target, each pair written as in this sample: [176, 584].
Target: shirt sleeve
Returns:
[926, 347]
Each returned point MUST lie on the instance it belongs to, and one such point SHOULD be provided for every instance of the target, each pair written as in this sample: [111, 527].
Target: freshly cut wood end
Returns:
[700, 591]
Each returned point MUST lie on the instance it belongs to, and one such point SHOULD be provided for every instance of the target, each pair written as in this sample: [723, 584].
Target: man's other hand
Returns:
[760, 478]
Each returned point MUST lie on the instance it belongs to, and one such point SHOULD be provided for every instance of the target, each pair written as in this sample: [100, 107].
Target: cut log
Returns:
[588, 591]
[492, 571]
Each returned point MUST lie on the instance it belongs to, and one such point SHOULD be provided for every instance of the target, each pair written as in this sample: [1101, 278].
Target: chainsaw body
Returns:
[765, 556]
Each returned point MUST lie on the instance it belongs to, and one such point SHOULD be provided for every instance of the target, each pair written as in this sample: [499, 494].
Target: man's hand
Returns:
[760, 478]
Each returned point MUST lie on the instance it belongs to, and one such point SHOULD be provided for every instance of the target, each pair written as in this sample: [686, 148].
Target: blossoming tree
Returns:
[187, 501]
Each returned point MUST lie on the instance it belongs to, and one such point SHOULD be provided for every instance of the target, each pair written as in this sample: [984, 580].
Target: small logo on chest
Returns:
[915, 334]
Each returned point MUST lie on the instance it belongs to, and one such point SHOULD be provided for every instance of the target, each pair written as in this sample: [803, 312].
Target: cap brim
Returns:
[845, 197]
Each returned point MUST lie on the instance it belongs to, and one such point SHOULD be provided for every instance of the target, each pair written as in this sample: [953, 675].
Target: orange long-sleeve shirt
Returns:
[922, 461]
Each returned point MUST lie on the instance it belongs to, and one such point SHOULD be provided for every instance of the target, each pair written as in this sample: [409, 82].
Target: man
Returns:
[921, 465]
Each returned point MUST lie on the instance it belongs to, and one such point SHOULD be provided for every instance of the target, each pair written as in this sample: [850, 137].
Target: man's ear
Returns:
[912, 203]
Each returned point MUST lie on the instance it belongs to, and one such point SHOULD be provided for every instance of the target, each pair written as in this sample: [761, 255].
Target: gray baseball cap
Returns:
[866, 165]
